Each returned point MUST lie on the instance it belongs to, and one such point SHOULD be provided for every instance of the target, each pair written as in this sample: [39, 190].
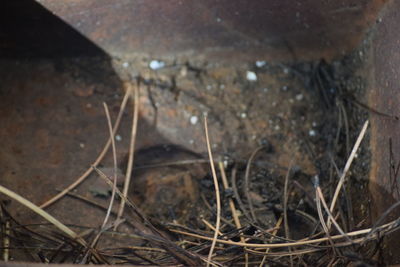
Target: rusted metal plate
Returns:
[246, 29]
[385, 96]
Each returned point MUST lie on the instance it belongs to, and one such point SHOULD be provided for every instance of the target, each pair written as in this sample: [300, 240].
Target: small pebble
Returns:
[118, 138]
[284, 88]
[260, 63]
[243, 115]
[299, 97]
[194, 120]
[156, 64]
[251, 76]
[314, 124]
[312, 133]
[125, 64]
[82, 145]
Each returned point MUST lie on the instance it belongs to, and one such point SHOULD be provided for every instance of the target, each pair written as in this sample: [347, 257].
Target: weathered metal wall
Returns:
[220, 28]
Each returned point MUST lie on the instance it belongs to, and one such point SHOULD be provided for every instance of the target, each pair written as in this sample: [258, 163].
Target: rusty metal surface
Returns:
[385, 96]
[246, 29]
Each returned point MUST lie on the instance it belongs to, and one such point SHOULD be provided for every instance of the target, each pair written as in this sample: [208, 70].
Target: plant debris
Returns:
[287, 196]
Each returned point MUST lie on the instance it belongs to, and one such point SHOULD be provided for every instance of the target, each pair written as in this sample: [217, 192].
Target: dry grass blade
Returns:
[209, 225]
[381, 219]
[96, 162]
[285, 201]
[214, 174]
[6, 241]
[232, 207]
[277, 226]
[319, 210]
[135, 118]
[114, 152]
[44, 214]
[347, 167]
[385, 227]
[180, 254]
[335, 223]
[247, 182]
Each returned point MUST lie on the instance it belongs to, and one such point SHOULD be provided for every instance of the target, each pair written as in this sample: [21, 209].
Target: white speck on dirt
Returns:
[156, 64]
[118, 138]
[125, 64]
[312, 133]
[260, 63]
[194, 120]
[299, 97]
[251, 76]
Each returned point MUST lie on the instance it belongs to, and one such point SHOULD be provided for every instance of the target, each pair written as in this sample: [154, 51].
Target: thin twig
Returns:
[384, 227]
[247, 182]
[285, 201]
[232, 207]
[6, 241]
[236, 194]
[44, 214]
[114, 152]
[159, 240]
[277, 226]
[347, 167]
[209, 225]
[335, 223]
[217, 196]
[320, 215]
[96, 162]
[131, 148]
[381, 218]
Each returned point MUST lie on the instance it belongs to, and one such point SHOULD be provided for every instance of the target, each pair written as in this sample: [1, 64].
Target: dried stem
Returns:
[347, 167]
[232, 207]
[96, 162]
[131, 148]
[216, 186]
[247, 182]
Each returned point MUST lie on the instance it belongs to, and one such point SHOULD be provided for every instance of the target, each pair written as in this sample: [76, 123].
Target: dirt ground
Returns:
[303, 118]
